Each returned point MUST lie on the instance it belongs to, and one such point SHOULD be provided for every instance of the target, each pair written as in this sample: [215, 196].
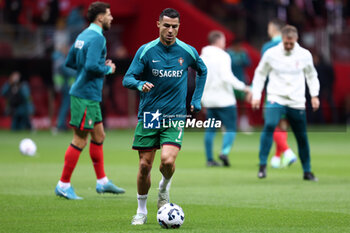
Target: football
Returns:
[27, 147]
[170, 215]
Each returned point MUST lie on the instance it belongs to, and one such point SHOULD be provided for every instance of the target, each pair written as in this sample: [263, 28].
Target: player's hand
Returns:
[195, 107]
[248, 94]
[315, 103]
[147, 87]
[110, 64]
[255, 104]
[108, 61]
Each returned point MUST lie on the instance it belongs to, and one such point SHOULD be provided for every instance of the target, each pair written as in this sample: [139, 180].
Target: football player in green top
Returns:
[159, 72]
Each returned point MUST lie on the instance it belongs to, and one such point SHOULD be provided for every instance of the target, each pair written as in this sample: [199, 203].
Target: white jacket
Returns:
[218, 90]
[287, 74]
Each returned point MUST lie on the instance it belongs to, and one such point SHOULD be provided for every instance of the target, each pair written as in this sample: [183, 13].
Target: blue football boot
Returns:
[109, 188]
[67, 193]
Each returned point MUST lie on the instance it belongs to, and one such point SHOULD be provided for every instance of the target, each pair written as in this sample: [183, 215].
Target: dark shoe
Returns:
[224, 160]
[213, 163]
[262, 171]
[310, 176]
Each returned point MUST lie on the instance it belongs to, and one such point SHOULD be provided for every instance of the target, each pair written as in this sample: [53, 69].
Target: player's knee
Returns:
[83, 144]
[79, 142]
[100, 137]
[145, 167]
[283, 124]
[269, 126]
[168, 163]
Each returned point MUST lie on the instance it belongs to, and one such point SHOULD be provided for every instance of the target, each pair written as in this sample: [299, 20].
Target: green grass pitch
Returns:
[213, 199]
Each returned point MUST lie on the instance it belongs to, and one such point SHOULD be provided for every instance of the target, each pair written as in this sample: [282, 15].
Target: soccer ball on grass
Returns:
[27, 147]
[170, 216]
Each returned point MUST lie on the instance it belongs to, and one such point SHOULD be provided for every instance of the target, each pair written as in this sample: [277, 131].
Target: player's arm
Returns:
[135, 70]
[201, 77]
[71, 58]
[93, 56]
[312, 82]
[260, 75]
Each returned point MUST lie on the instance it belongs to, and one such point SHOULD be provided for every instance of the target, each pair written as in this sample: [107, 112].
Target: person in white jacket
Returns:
[218, 97]
[287, 65]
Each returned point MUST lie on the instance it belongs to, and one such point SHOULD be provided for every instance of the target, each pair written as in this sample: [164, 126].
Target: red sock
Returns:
[280, 138]
[96, 154]
[70, 161]
[278, 149]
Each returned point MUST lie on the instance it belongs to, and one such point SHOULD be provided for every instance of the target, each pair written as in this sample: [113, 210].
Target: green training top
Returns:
[166, 68]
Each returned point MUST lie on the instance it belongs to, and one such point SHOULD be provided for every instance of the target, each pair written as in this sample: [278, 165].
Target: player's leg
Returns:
[276, 159]
[143, 184]
[228, 116]
[71, 158]
[297, 120]
[167, 160]
[209, 137]
[171, 141]
[15, 122]
[281, 137]
[146, 141]
[167, 168]
[103, 185]
[79, 116]
[272, 115]
[242, 118]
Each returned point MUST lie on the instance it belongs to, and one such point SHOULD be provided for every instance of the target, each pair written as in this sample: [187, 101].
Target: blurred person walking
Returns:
[218, 97]
[288, 66]
[280, 135]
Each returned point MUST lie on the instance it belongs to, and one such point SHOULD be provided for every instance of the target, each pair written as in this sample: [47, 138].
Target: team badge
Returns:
[181, 61]
[155, 72]
[90, 122]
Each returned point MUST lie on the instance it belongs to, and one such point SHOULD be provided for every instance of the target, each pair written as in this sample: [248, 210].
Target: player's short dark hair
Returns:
[279, 24]
[169, 12]
[289, 31]
[95, 9]
[214, 36]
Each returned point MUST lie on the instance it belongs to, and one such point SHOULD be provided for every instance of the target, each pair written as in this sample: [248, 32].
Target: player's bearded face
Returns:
[168, 29]
[107, 20]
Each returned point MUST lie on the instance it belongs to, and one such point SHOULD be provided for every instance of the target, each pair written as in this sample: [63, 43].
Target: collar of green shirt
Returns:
[95, 28]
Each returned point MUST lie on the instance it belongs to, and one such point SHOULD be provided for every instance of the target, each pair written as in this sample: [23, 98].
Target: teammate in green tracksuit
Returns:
[88, 57]
[159, 72]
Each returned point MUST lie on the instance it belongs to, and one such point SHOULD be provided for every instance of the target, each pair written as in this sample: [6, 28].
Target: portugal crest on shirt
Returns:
[181, 61]
[155, 72]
